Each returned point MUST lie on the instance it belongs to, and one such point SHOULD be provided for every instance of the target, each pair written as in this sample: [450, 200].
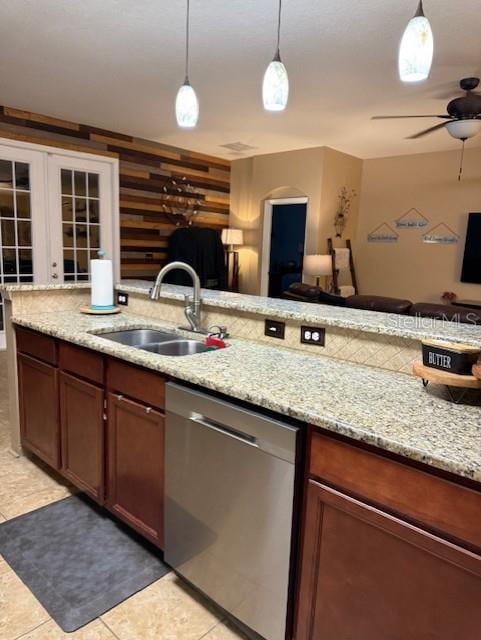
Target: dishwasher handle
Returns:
[224, 430]
[267, 433]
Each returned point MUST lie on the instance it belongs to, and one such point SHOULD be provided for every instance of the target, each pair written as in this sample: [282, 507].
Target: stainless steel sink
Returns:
[177, 348]
[161, 342]
[139, 337]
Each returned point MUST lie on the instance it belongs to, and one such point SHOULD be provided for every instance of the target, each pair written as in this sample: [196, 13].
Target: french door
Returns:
[56, 211]
[81, 204]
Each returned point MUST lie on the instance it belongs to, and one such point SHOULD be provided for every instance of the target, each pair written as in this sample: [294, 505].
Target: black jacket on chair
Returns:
[202, 249]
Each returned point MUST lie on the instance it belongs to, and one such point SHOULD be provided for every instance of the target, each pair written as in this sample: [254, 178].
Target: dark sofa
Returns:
[309, 293]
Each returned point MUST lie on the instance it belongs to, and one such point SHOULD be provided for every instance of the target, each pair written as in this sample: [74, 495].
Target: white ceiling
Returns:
[117, 64]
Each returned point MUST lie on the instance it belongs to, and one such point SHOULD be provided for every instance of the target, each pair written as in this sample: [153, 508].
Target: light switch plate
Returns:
[275, 329]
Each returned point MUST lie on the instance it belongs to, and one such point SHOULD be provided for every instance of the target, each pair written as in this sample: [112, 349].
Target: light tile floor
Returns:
[166, 610]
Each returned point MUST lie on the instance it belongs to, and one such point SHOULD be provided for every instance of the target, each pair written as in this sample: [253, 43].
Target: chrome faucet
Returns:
[192, 303]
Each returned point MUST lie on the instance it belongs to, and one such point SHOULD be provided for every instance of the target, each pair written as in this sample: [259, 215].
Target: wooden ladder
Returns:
[335, 271]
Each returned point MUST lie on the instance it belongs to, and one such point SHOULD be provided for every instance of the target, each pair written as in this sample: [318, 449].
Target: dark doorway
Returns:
[287, 247]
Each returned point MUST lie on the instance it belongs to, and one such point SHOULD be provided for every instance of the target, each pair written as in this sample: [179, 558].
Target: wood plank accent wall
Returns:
[145, 168]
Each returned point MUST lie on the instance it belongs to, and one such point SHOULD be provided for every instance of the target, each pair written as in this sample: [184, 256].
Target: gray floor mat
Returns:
[77, 560]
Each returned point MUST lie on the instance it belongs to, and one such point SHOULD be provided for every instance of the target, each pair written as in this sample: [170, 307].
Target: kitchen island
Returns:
[387, 514]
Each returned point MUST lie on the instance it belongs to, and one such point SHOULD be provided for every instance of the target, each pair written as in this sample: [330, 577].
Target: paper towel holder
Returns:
[94, 309]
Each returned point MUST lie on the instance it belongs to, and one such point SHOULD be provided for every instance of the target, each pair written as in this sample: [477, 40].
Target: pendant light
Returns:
[186, 103]
[416, 50]
[275, 87]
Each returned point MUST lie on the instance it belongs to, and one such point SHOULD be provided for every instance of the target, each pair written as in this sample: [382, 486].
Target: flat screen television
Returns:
[471, 271]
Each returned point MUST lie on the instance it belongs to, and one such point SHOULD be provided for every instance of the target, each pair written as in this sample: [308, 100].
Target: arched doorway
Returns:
[283, 243]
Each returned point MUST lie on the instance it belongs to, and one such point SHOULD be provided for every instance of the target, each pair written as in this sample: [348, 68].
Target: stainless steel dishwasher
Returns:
[229, 503]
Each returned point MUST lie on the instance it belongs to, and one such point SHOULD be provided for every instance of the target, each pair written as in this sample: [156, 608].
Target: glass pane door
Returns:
[80, 203]
[22, 205]
[81, 235]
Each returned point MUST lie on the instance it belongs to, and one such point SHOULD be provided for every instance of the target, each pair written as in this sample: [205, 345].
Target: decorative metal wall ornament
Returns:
[345, 199]
[412, 219]
[383, 233]
[441, 234]
[180, 199]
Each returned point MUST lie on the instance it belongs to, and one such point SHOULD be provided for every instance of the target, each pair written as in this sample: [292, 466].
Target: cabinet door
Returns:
[82, 427]
[369, 576]
[39, 409]
[135, 490]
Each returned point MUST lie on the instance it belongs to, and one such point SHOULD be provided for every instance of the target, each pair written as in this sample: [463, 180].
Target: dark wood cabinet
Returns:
[114, 451]
[39, 410]
[367, 575]
[135, 443]
[82, 434]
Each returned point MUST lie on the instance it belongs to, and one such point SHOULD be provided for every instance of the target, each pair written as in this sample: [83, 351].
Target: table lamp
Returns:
[232, 238]
[318, 265]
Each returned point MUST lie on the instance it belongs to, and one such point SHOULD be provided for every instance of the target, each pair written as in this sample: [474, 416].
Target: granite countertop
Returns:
[326, 315]
[386, 409]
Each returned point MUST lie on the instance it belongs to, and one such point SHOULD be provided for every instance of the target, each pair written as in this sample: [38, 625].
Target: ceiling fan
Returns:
[463, 119]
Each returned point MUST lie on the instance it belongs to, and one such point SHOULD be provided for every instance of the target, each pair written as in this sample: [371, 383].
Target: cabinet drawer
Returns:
[442, 505]
[137, 383]
[37, 345]
[82, 362]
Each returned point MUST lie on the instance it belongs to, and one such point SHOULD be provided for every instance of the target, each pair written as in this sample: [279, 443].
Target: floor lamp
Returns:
[318, 265]
[232, 238]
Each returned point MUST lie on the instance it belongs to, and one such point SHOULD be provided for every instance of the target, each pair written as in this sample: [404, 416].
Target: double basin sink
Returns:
[161, 342]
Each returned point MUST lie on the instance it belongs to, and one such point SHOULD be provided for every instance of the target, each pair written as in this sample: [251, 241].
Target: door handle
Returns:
[224, 430]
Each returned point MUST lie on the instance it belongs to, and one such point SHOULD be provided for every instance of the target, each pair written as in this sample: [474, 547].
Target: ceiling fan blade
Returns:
[423, 116]
[426, 131]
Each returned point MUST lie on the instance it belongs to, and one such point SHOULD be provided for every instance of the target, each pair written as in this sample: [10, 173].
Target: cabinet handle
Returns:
[148, 409]
[120, 397]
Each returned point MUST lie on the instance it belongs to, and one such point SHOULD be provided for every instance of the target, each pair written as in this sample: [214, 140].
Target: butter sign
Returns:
[439, 360]
[455, 358]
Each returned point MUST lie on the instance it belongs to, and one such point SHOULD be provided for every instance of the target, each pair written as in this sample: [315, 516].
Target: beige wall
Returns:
[317, 173]
[428, 182]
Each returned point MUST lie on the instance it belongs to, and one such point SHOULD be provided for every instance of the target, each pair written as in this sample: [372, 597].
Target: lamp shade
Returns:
[275, 86]
[232, 236]
[463, 129]
[186, 106]
[416, 49]
[317, 265]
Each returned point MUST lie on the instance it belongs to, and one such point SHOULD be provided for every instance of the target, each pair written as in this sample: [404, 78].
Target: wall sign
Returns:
[441, 234]
[383, 233]
[412, 219]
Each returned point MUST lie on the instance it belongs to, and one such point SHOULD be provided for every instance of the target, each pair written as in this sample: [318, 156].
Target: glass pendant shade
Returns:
[275, 87]
[416, 50]
[186, 106]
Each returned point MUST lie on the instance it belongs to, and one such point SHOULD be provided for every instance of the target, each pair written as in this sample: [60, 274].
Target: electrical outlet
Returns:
[275, 329]
[313, 335]
[122, 298]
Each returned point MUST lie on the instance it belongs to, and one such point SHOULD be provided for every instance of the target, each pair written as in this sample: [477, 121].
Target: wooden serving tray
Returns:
[448, 379]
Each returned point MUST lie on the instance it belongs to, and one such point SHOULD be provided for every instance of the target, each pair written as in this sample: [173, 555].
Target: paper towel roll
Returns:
[347, 290]
[102, 283]
[342, 258]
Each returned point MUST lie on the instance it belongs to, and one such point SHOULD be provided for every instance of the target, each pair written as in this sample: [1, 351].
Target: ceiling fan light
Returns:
[186, 106]
[463, 129]
[416, 49]
[275, 86]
